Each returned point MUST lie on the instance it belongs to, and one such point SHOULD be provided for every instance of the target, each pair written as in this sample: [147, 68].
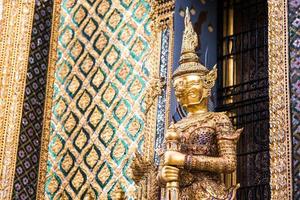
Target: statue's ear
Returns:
[211, 77]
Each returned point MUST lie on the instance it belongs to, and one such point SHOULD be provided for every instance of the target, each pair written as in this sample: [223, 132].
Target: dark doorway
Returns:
[243, 89]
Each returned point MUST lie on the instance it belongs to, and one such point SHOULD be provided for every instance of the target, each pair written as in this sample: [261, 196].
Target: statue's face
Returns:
[188, 89]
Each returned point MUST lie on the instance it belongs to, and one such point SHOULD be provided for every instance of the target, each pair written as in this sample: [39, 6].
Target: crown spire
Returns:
[189, 60]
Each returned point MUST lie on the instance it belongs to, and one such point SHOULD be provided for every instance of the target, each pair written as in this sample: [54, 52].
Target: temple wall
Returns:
[97, 110]
[71, 111]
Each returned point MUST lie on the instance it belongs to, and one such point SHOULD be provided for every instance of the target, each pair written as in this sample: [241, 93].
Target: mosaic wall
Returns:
[97, 111]
[26, 174]
[294, 45]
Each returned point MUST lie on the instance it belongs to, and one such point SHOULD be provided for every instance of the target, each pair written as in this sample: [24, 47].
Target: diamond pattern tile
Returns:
[81, 140]
[115, 20]
[123, 72]
[97, 99]
[28, 150]
[104, 174]
[107, 133]
[78, 180]
[84, 101]
[67, 163]
[110, 94]
[87, 64]
[126, 34]
[119, 151]
[112, 57]
[90, 28]
[103, 8]
[92, 157]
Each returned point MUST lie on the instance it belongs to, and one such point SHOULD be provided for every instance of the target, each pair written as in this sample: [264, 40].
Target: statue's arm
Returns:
[224, 163]
[227, 139]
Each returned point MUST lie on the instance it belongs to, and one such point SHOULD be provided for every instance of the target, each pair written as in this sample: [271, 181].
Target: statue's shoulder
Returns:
[221, 117]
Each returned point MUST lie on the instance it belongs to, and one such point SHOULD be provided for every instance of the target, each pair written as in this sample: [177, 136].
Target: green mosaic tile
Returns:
[140, 145]
[66, 36]
[70, 123]
[95, 117]
[90, 28]
[52, 185]
[56, 91]
[98, 79]
[125, 171]
[134, 127]
[87, 64]
[147, 27]
[56, 146]
[81, 140]
[79, 15]
[136, 51]
[119, 151]
[136, 87]
[121, 110]
[60, 108]
[115, 20]
[63, 72]
[141, 11]
[112, 57]
[101, 42]
[109, 94]
[78, 180]
[124, 71]
[69, 5]
[145, 70]
[143, 105]
[74, 86]
[84, 101]
[107, 134]
[67, 162]
[91, 2]
[92, 157]
[126, 3]
[76, 50]
[126, 34]
[103, 8]
[104, 174]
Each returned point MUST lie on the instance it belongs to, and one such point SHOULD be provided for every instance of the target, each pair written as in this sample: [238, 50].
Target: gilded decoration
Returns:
[14, 43]
[279, 113]
[26, 172]
[280, 133]
[97, 108]
[200, 146]
[294, 50]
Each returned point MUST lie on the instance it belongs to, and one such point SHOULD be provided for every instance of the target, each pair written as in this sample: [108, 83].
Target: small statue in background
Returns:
[201, 146]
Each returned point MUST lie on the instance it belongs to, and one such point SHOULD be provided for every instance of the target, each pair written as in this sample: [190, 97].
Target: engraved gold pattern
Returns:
[280, 133]
[14, 46]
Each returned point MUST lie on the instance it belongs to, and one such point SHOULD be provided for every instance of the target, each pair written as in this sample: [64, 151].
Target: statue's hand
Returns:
[174, 158]
[169, 174]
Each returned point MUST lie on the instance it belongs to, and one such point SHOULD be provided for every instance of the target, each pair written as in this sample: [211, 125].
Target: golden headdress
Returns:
[189, 61]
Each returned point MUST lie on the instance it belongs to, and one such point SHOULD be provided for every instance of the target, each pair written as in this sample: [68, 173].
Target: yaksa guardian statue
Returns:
[201, 146]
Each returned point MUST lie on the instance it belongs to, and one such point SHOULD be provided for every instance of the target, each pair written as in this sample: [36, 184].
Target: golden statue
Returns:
[201, 146]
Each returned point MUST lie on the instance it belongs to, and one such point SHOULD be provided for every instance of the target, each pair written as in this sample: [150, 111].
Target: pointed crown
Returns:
[189, 61]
